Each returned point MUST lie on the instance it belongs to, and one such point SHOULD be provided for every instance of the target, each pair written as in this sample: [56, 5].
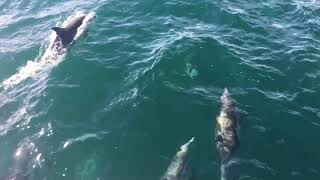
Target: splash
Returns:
[51, 57]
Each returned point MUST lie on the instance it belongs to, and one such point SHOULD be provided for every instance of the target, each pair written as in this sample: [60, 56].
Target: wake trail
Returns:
[21, 97]
[51, 56]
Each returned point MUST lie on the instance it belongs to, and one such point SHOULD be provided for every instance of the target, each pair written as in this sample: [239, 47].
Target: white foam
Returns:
[51, 57]
[85, 24]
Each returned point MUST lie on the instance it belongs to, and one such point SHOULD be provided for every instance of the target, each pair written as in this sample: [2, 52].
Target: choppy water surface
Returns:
[148, 76]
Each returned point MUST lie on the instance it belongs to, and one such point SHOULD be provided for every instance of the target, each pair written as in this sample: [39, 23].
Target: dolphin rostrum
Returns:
[178, 168]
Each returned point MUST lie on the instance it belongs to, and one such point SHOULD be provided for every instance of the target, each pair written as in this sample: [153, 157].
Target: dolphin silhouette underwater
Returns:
[22, 158]
[179, 169]
[226, 136]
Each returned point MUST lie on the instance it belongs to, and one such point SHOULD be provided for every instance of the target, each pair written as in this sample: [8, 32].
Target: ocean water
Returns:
[148, 76]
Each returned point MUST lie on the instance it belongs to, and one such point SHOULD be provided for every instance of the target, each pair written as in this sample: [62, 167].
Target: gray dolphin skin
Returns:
[226, 136]
[178, 169]
[66, 34]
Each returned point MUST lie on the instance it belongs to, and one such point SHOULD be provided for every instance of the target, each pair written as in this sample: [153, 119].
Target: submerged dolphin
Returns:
[15, 175]
[178, 168]
[226, 136]
[22, 156]
[65, 35]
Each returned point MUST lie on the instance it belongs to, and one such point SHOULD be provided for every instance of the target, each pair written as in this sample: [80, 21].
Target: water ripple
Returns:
[140, 55]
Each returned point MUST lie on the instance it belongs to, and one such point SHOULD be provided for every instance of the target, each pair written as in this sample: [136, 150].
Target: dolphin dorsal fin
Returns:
[64, 35]
[60, 31]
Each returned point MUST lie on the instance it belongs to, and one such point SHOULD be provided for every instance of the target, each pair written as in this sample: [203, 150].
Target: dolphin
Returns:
[65, 35]
[15, 175]
[60, 40]
[21, 158]
[178, 168]
[226, 136]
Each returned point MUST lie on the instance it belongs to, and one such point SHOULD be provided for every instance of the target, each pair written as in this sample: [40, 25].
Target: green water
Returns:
[148, 76]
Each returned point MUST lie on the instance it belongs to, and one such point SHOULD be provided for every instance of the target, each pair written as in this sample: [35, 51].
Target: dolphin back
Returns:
[67, 33]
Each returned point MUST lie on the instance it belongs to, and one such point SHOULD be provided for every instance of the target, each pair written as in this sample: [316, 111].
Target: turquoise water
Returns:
[148, 76]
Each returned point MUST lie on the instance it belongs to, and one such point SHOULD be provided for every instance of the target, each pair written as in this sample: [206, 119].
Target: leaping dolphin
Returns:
[178, 169]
